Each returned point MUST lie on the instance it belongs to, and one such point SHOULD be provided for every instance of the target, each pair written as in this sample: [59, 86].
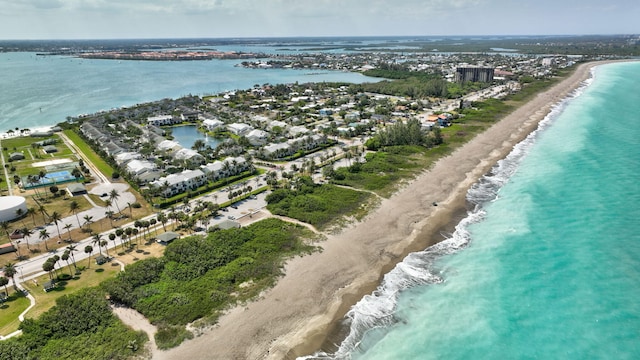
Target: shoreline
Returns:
[296, 316]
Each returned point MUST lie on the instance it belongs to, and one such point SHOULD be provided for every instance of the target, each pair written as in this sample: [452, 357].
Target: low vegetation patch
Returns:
[318, 205]
[80, 326]
[199, 276]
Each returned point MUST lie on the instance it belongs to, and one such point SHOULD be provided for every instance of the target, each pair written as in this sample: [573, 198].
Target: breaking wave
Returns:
[377, 309]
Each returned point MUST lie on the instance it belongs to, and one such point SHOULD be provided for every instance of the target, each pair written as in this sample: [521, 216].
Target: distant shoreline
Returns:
[172, 55]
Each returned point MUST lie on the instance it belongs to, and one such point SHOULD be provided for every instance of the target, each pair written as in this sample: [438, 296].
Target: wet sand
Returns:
[295, 317]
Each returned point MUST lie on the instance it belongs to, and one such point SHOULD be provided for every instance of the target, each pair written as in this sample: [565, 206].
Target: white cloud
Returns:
[230, 18]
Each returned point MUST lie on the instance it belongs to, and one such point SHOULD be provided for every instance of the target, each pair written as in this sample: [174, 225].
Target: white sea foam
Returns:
[377, 309]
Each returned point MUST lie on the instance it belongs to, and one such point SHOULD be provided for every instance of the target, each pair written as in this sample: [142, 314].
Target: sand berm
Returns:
[294, 317]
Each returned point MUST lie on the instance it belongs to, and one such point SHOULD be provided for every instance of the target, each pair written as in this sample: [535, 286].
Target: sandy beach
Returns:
[293, 318]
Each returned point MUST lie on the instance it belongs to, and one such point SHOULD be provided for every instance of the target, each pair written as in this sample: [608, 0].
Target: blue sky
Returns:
[99, 19]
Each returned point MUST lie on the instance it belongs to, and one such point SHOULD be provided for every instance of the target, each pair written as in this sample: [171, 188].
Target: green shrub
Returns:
[171, 336]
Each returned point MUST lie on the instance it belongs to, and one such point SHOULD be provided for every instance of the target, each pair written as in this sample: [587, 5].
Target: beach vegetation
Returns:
[315, 204]
[383, 170]
[201, 275]
[66, 330]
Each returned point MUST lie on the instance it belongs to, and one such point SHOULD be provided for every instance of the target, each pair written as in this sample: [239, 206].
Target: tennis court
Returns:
[58, 177]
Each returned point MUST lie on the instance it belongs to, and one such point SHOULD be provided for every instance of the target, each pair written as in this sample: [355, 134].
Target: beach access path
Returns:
[294, 317]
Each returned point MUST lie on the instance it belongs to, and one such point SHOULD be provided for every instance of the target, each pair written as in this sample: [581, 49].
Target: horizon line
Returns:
[318, 36]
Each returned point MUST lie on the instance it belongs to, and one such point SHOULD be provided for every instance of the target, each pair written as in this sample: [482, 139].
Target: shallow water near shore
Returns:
[547, 264]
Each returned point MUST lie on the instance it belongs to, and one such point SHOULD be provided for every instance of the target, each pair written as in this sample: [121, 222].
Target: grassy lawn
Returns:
[32, 155]
[89, 154]
[88, 278]
[10, 310]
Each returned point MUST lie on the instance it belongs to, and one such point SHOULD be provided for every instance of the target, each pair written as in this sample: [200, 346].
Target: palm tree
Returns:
[71, 249]
[49, 266]
[68, 228]
[163, 220]
[105, 243]
[26, 233]
[3, 282]
[88, 220]
[74, 207]
[19, 213]
[55, 218]
[55, 259]
[113, 196]
[44, 235]
[112, 237]
[6, 227]
[97, 239]
[88, 250]
[198, 145]
[120, 234]
[152, 223]
[65, 256]
[109, 215]
[10, 271]
[32, 211]
[43, 211]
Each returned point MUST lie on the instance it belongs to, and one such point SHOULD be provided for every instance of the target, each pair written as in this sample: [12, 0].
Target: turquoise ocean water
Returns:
[548, 264]
[39, 91]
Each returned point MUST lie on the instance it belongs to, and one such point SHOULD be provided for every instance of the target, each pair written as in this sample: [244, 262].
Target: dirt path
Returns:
[137, 322]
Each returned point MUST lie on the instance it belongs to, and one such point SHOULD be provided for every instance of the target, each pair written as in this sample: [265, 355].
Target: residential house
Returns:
[277, 151]
[168, 146]
[257, 137]
[239, 129]
[161, 120]
[278, 123]
[148, 176]
[136, 167]
[212, 124]
[189, 115]
[189, 156]
[175, 184]
[124, 157]
[296, 131]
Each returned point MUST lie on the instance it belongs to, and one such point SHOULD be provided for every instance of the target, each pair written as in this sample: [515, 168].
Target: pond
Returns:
[188, 134]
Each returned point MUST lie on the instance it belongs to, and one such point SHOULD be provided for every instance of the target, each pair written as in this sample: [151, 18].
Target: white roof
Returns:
[168, 144]
[138, 166]
[297, 130]
[239, 126]
[271, 148]
[257, 134]
[185, 153]
[277, 123]
[212, 122]
[213, 167]
[159, 117]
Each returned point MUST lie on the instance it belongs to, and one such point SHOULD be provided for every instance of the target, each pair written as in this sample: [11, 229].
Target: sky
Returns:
[112, 19]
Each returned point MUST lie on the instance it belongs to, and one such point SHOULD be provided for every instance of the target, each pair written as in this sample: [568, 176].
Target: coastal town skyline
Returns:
[76, 19]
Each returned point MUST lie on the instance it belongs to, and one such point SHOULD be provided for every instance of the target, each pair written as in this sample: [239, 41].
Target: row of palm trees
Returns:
[55, 218]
